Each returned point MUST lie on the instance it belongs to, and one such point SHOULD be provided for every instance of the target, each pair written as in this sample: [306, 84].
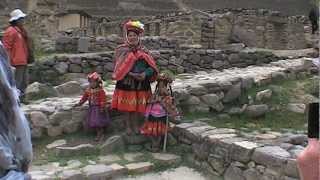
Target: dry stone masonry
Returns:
[202, 92]
[216, 29]
[225, 152]
[58, 68]
[109, 43]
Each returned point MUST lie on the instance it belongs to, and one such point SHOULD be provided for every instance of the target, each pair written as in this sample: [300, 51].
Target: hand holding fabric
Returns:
[141, 76]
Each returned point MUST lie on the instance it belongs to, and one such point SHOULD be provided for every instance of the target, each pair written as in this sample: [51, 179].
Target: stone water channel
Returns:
[223, 152]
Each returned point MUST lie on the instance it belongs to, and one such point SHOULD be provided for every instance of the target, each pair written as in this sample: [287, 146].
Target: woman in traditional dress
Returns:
[134, 70]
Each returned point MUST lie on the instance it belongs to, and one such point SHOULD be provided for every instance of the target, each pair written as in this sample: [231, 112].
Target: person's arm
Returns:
[8, 41]
[83, 99]
[149, 72]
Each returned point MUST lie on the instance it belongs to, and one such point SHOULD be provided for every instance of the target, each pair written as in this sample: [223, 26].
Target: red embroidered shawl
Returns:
[125, 59]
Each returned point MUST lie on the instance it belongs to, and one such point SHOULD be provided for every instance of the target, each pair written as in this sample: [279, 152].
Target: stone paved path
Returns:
[110, 166]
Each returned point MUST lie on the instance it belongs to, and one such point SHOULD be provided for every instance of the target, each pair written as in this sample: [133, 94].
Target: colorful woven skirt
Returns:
[131, 97]
[96, 118]
[155, 126]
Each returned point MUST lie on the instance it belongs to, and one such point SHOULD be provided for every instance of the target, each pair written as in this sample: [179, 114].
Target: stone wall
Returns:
[42, 20]
[221, 92]
[227, 153]
[187, 29]
[215, 29]
[109, 43]
[151, 7]
[270, 30]
[211, 29]
[178, 61]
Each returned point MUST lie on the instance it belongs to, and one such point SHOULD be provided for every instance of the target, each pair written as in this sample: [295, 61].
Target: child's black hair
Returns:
[168, 85]
[99, 83]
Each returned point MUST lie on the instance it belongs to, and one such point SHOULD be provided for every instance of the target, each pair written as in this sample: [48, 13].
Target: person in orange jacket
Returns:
[16, 42]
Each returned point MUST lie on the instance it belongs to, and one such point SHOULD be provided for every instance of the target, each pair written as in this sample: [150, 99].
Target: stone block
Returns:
[243, 150]
[71, 175]
[291, 168]
[39, 119]
[112, 144]
[233, 173]
[109, 159]
[98, 172]
[36, 91]
[141, 167]
[132, 156]
[118, 170]
[59, 116]
[83, 149]
[271, 156]
[233, 93]
[166, 158]
[56, 143]
[255, 111]
[194, 133]
[54, 131]
[264, 95]
[251, 174]
[69, 88]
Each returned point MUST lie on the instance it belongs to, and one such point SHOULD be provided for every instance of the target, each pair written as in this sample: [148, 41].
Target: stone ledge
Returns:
[249, 157]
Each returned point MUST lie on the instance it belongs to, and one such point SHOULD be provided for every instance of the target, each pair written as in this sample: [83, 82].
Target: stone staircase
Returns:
[112, 166]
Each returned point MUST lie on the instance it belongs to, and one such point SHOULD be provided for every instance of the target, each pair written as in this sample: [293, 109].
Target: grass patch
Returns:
[312, 86]
[42, 155]
[40, 55]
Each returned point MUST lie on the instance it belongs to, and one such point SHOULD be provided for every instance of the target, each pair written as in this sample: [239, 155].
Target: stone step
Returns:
[81, 149]
[141, 167]
[98, 171]
[166, 158]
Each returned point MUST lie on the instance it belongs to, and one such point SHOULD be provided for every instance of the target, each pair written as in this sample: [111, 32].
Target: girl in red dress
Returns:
[97, 117]
[134, 70]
